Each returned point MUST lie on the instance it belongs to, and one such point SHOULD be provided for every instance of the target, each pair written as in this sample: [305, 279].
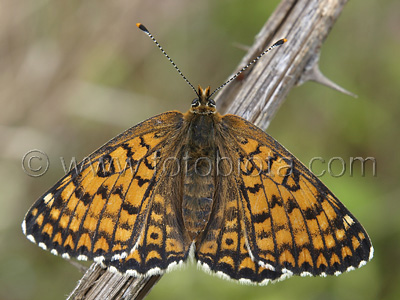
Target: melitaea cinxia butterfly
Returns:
[202, 184]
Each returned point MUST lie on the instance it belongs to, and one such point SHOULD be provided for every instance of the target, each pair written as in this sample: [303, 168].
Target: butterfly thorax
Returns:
[199, 158]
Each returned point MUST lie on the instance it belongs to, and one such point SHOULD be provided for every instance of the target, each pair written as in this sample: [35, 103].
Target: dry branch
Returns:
[256, 96]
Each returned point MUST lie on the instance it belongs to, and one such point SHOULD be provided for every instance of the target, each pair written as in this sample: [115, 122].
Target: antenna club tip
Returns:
[142, 27]
[280, 42]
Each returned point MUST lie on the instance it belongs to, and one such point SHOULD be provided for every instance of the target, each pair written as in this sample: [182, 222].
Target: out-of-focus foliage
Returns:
[73, 74]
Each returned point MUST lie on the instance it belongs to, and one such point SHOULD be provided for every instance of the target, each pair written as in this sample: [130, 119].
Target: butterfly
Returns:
[203, 185]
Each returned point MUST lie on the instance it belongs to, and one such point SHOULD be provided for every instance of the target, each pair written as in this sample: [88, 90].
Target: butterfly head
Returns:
[203, 104]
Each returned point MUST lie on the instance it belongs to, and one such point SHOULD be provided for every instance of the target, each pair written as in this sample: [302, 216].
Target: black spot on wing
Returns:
[106, 166]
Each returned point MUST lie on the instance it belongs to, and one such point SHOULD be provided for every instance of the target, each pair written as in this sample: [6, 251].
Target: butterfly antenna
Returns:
[146, 31]
[278, 43]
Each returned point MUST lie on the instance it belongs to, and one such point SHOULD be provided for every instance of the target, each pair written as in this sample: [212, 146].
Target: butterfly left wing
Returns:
[105, 208]
[293, 223]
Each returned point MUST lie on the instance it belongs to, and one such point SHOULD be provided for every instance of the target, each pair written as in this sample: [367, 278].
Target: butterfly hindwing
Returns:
[293, 223]
[223, 248]
[102, 209]
[163, 242]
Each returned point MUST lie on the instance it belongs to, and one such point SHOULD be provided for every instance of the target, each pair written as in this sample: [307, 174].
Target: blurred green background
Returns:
[74, 74]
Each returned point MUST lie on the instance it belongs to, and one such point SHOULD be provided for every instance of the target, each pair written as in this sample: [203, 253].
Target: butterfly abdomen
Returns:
[198, 173]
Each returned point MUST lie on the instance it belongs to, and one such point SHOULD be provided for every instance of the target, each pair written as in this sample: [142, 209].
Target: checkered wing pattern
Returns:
[114, 205]
[278, 219]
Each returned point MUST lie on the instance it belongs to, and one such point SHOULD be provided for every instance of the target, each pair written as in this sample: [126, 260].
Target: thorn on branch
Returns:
[313, 73]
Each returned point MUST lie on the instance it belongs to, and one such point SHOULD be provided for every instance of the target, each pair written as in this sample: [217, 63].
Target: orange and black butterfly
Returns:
[204, 185]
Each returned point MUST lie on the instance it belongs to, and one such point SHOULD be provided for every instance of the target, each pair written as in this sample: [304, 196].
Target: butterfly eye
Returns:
[195, 102]
[211, 103]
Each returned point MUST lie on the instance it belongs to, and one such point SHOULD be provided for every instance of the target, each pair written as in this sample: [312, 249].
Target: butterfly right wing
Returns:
[293, 222]
[101, 210]
[272, 218]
